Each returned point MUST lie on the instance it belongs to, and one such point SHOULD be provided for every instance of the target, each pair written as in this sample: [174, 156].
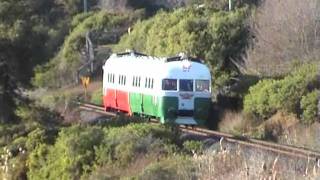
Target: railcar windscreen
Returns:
[202, 85]
[186, 85]
[169, 84]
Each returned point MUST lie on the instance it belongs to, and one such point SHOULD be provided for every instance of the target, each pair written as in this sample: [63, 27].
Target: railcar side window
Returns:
[169, 84]
[186, 85]
[202, 85]
[139, 81]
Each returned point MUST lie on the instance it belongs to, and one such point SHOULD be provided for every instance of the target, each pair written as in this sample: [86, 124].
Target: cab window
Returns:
[169, 84]
[186, 85]
[202, 85]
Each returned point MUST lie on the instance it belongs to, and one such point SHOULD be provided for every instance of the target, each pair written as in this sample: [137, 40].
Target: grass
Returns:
[302, 135]
[244, 163]
[234, 122]
[62, 100]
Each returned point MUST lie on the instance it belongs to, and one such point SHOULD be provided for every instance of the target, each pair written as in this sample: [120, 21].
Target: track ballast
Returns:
[292, 151]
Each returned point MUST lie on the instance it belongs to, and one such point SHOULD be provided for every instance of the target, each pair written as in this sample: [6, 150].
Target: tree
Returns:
[7, 84]
[30, 32]
[285, 32]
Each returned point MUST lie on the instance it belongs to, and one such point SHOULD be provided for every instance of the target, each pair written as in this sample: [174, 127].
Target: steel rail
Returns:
[274, 147]
[264, 145]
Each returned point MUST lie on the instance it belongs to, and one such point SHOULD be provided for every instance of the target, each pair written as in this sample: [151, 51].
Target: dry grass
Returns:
[245, 163]
[276, 125]
[300, 135]
[62, 100]
[233, 122]
[238, 124]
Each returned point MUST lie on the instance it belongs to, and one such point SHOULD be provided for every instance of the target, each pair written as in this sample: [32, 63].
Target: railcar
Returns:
[176, 89]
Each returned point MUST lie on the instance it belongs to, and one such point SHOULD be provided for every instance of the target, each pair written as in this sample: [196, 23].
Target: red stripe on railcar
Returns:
[117, 99]
[109, 99]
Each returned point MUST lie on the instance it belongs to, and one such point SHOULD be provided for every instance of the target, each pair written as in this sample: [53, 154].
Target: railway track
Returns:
[254, 143]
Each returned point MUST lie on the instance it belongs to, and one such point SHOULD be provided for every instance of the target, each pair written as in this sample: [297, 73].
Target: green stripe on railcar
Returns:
[168, 108]
[201, 109]
[136, 102]
[150, 105]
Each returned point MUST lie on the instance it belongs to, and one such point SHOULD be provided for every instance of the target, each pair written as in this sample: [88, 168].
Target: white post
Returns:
[230, 5]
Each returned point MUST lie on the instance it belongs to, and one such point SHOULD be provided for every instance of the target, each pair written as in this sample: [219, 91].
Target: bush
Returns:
[176, 167]
[35, 138]
[122, 145]
[269, 96]
[214, 36]
[62, 69]
[96, 97]
[71, 155]
[79, 150]
[193, 146]
[309, 106]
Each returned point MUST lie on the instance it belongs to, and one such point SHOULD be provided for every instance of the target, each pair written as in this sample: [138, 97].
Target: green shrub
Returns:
[56, 99]
[214, 36]
[193, 146]
[79, 150]
[38, 163]
[62, 69]
[35, 138]
[309, 106]
[269, 96]
[176, 167]
[121, 145]
[96, 97]
[71, 155]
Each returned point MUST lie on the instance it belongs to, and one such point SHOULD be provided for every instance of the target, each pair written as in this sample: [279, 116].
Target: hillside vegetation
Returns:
[62, 69]
[216, 37]
[264, 60]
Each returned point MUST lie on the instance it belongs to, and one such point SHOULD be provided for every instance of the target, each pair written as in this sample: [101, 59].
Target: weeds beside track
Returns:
[292, 151]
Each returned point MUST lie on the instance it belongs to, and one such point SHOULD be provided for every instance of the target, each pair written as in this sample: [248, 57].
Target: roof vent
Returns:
[130, 52]
[183, 56]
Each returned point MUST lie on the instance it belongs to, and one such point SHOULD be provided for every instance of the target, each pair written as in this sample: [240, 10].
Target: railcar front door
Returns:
[186, 97]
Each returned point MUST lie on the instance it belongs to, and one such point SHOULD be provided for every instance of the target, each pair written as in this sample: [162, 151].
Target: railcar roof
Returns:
[141, 64]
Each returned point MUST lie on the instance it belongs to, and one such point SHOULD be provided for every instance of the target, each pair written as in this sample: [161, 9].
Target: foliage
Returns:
[96, 97]
[76, 6]
[34, 30]
[53, 100]
[20, 138]
[69, 157]
[34, 123]
[30, 33]
[79, 149]
[270, 95]
[193, 146]
[176, 167]
[214, 36]
[121, 145]
[8, 95]
[283, 36]
[62, 69]
[309, 106]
